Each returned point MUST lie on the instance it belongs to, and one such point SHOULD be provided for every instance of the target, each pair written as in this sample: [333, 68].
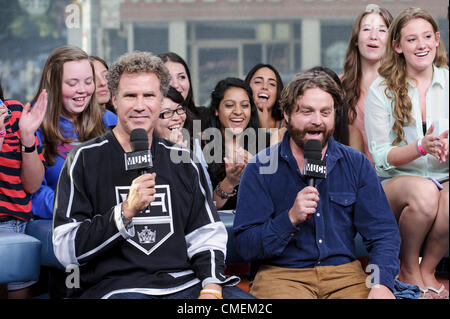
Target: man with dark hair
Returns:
[132, 235]
[301, 236]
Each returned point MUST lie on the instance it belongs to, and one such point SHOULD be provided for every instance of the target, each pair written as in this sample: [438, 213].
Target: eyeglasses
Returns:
[169, 113]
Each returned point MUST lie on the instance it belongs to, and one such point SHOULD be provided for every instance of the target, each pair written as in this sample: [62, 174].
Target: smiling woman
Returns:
[72, 116]
[365, 48]
[233, 112]
[267, 85]
[172, 117]
[77, 87]
[407, 120]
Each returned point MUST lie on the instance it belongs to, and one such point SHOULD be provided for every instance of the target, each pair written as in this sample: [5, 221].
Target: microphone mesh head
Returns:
[138, 140]
[313, 149]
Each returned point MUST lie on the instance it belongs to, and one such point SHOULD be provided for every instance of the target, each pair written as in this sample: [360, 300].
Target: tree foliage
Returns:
[17, 23]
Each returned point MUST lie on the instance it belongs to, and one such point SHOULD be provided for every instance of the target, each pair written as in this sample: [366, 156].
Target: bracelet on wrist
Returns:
[223, 194]
[126, 221]
[216, 293]
[27, 149]
[420, 149]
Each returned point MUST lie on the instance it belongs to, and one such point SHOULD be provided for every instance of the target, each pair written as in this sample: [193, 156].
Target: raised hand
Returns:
[234, 167]
[444, 148]
[233, 171]
[176, 136]
[436, 145]
[31, 119]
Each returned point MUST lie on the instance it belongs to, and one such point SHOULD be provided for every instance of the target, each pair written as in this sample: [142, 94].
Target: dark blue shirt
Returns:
[351, 200]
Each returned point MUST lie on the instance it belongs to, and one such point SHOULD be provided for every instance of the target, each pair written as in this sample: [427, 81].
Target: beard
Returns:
[298, 135]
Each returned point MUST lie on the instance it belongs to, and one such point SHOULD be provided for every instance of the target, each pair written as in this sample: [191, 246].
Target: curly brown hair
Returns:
[138, 62]
[393, 69]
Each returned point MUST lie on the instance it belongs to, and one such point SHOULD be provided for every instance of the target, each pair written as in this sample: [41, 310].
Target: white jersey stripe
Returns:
[75, 159]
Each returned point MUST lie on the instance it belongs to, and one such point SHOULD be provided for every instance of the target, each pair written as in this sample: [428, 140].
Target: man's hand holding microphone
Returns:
[142, 190]
[141, 194]
[305, 203]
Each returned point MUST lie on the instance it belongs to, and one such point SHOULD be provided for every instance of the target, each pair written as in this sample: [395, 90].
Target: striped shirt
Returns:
[14, 201]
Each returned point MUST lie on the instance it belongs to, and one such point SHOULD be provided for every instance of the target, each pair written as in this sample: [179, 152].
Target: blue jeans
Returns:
[228, 292]
[16, 226]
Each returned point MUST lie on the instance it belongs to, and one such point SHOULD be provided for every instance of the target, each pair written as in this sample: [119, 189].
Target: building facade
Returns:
[220, 38]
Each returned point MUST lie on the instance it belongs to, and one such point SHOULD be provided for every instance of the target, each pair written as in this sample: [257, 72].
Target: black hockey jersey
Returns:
[175, 243]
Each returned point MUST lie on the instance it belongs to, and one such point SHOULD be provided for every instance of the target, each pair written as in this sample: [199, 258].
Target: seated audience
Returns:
[407, 129]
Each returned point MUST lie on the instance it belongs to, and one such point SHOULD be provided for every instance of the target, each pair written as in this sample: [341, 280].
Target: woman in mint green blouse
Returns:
[407, 119]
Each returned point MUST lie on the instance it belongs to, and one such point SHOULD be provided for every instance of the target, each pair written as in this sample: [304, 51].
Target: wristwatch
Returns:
[28, 149]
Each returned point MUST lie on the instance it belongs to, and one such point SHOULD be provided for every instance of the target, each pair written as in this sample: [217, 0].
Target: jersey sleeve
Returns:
[80, 233]
[206, 236]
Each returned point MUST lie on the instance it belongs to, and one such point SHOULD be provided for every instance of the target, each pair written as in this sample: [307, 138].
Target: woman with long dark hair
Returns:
[181, 81]
[266, 84]
[232, 138]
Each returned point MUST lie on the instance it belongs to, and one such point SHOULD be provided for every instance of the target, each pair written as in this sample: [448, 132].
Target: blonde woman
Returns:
[366, 46]
[407, 129]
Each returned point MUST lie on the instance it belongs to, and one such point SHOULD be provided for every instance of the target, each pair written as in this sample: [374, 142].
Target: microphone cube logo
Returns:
[315, 168]
[154, 225]
[138, 160]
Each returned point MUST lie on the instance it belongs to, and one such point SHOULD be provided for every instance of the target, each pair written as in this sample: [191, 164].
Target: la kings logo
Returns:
[154, 225]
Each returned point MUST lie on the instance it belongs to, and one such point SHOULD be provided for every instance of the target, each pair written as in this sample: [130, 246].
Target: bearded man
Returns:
[299, 238]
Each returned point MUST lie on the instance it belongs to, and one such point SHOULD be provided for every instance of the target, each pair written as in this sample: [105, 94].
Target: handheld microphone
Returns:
[314, 166]
[140, 157]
